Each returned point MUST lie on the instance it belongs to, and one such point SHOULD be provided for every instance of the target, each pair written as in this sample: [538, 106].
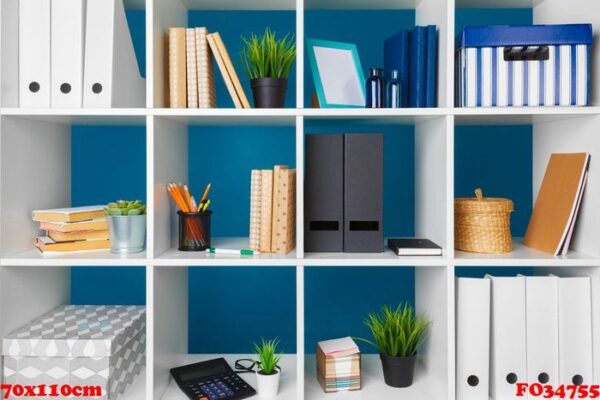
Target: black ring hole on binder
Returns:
[364, 226]
[34, 87]
[543, 377]
[324, 226]
[97, 88]
[511, 378]
[536, 53]
[577, 380]
[473, 380]
[65, 88]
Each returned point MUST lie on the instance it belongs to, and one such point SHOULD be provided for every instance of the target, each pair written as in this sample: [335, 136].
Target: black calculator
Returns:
[211, 380]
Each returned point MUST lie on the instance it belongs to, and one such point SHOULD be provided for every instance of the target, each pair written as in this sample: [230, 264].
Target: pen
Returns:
[242, 252]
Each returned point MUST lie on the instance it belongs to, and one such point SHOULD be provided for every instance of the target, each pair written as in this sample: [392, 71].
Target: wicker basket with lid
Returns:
[482, 224]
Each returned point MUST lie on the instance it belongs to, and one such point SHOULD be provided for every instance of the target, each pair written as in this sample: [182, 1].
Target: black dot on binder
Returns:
[65, 88]
[97, 88]
[511, 378]
[543, 377]
[577, 380]
[34, 87]
[473, 380]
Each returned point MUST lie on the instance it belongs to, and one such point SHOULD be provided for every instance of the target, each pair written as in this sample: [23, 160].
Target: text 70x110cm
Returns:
[16, 390]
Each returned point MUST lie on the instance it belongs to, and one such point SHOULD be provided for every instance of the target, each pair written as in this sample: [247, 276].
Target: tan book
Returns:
[73, 214]
[266, 210]
[95, 224]
[556, 205]
[78, 235]
[285, 213]
[255, 208]
[191, 73]
[47, 245]
[177, 68]
[231, 70]
[221, 64]
[206, 83]
[277, 203]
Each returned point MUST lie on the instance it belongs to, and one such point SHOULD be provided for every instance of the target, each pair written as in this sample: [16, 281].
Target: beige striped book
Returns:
[177, 68]
[285, 213]
[192, 75]
[266, 210]
[255, 208]
[206, 83]
[278, 171]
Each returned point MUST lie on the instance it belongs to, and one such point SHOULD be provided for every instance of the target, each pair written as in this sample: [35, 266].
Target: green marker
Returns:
[242, 252]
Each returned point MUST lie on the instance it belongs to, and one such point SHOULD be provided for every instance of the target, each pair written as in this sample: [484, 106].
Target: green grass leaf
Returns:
[268, 358]
[267, 56]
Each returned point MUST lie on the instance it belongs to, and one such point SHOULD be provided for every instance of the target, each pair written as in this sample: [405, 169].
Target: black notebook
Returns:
[414, 247]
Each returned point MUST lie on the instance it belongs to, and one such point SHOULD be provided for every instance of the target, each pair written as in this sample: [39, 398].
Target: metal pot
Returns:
[127, 233]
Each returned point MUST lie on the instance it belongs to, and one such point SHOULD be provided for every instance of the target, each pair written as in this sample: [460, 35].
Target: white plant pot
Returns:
[268, 385]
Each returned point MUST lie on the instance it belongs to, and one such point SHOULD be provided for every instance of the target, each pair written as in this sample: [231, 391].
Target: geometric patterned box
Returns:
[79, 345]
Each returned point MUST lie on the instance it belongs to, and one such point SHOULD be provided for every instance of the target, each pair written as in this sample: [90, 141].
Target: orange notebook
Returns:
[78, 235]
[95, 224]
[47, 245]
[557, 203]
[74, 214]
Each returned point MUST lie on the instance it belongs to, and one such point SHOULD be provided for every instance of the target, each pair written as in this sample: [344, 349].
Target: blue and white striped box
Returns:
[537, 65]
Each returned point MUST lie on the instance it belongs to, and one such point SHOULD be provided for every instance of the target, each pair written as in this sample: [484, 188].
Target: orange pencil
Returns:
[188, 198]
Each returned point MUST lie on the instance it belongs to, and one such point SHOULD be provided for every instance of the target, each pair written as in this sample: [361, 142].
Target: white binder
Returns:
[66, 56]
[111, 73]
[472, 338]
[542, 329]
[508, 338]
[575, 331]
[34, 53]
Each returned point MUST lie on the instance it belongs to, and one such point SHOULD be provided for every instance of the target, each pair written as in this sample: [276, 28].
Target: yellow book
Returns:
[231, 71]
[285, 213]
[95, 224]
[177, 68]
[278, 194]
[47, 245]
[78, 235]
[74, 214]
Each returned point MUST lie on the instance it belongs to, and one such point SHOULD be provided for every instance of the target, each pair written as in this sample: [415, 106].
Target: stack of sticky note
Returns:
[338, 365]
[72, 229]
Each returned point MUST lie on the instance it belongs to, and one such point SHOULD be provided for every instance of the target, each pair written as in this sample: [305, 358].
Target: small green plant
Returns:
[267, 355]
[267, 56]
[124, 207]
[397, 332]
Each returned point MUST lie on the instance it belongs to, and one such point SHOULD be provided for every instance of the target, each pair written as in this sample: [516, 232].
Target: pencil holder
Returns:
[194, 231]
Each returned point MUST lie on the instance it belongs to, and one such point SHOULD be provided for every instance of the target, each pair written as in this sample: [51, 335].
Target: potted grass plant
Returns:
[126, 226]
[397, 334]
[267, 61]
[268, 373]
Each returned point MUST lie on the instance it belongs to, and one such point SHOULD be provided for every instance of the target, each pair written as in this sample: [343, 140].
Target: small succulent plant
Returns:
[124, 207]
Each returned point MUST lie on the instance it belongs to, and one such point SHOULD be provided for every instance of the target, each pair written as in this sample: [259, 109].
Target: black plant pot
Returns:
[269, 92]
[398, 371]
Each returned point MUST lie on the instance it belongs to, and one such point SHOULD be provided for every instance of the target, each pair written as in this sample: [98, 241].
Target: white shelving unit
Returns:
[35, 172]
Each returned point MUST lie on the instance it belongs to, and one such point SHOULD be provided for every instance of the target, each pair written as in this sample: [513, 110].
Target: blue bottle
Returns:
[394, 90]
[375, 88]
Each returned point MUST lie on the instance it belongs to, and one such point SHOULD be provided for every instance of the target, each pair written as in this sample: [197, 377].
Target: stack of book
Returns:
[273, 210]
[338, 365]
[72, 229]
[191, 79]
[414, 54]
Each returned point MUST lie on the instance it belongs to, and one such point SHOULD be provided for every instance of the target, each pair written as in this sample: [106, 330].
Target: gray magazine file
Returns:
[324, 193]
[363, 193]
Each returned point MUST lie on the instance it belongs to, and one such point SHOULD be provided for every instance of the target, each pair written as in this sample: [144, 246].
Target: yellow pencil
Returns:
[205, 193]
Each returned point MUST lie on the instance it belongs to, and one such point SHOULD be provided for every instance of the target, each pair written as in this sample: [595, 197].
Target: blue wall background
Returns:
[232, 307]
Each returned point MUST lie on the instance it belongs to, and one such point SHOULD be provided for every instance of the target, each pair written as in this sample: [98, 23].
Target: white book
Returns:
[67, 49]
[472, 338]
[34, 53]
[111, 73]
[508, 339]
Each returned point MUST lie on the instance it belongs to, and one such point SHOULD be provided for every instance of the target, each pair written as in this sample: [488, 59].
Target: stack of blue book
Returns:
[414, 54]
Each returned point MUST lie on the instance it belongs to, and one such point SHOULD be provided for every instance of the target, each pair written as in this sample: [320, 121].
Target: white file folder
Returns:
[111, 73]
[508, 338]
[66, 65]
[34, 53]
[575, 331]
[472, 338]
[542, 329]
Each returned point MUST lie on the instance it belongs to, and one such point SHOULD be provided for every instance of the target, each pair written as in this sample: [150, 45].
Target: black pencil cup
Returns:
[194, 230]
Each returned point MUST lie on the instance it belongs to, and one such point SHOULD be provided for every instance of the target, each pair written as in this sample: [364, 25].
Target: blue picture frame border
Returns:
[310, 44]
